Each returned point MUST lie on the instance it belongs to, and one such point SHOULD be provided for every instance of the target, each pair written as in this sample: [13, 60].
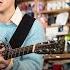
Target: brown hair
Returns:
[17, 2]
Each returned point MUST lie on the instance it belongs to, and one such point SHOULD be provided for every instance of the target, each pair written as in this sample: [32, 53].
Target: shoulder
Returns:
[37, 25]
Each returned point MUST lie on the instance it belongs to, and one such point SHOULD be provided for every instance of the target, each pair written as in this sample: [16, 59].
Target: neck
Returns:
[6, 15]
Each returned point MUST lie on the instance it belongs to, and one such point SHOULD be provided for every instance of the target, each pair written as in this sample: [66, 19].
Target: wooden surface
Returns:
[57, 56]
[55, 11]
[56, 59]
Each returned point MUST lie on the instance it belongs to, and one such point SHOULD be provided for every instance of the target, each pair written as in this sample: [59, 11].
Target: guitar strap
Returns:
[22, 31]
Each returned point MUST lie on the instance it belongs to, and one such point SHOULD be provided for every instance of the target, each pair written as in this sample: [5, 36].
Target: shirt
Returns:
[36, 35]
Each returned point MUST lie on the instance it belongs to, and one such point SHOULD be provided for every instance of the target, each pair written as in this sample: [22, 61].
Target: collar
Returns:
[17, 16]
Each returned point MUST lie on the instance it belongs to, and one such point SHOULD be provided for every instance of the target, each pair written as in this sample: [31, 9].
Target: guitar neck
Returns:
[40, 48]
[12, 53]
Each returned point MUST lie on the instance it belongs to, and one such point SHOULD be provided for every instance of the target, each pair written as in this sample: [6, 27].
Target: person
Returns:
[10, 17]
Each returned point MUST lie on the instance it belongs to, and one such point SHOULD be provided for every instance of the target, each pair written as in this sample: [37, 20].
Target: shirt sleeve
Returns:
[31, 61]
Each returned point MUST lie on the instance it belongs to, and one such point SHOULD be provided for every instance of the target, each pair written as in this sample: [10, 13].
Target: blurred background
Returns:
[54, 16]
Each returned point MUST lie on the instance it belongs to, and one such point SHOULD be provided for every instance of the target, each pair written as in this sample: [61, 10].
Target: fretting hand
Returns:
[3, 63]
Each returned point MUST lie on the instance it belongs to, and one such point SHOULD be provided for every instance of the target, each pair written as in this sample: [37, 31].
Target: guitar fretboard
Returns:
[40, 48]
[11, 53]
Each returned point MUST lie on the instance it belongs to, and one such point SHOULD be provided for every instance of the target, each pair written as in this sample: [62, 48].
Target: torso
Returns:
[6, 31]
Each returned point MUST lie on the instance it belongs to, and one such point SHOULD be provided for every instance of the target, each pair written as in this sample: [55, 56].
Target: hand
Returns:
[3, 63]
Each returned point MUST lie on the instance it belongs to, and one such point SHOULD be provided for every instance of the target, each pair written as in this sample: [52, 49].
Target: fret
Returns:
[17, 52]
[38, 48]
[33, 50]
[30, 48]
[14, 51]
[9, 54]
[26, 51]
[21, 51]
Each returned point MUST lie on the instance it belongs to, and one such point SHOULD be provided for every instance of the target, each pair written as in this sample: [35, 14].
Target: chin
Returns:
[2, 9]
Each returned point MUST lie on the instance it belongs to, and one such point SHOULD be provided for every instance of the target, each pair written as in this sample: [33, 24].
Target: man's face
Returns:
[6, 4]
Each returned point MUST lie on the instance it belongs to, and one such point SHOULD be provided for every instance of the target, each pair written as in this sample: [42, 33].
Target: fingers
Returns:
[1, 58]
[4, 62]
[1, 50]
[2, 45]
